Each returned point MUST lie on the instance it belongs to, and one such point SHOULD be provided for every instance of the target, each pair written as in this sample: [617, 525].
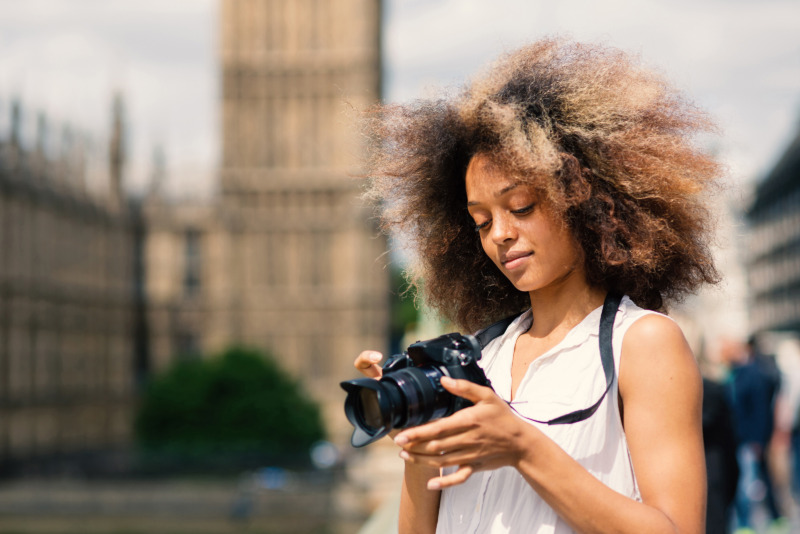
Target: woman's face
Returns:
[532, 247]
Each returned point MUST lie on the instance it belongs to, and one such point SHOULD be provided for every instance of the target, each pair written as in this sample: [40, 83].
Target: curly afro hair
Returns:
[609, 145]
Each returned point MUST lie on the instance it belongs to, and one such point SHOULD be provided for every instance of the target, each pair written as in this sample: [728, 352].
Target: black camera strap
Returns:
[610, 307]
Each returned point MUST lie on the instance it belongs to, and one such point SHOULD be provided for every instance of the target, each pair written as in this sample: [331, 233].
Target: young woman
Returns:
[565, 173]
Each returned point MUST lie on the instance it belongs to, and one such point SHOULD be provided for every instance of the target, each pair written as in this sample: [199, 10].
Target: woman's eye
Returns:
[481, 226]
[523, 211]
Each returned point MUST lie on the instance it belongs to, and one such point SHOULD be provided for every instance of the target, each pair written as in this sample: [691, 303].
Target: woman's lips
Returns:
[511, 261]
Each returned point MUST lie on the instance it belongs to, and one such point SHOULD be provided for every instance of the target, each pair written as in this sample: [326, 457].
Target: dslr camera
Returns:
[410, 392]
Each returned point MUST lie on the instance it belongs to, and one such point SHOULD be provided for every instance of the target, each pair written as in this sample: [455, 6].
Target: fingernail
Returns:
[404, 455]
[434, 484]
[447, 381]
[375, 357]
[400, 440]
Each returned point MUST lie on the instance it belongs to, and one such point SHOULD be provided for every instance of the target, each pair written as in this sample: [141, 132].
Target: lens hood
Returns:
[364, 391]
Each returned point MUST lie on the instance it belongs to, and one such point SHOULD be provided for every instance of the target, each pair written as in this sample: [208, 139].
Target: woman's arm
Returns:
[662, 393]
[661, 388]
[419, 506]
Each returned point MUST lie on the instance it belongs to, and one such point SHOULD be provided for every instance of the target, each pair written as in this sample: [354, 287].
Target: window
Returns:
[191, 263]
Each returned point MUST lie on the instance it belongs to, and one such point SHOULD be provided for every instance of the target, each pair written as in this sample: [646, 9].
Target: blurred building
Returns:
[285, 258]
[97, 292]
[67, 298]
[774, 248]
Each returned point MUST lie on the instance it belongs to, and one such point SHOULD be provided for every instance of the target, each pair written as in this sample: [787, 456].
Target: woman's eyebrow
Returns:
[496, 195]
[505, 190]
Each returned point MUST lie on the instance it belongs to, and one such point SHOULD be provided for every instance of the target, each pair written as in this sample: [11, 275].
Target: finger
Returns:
[454, 479]
[468, 390]
[367, 363]
[438, 447]
[436, 430]
[439, 460]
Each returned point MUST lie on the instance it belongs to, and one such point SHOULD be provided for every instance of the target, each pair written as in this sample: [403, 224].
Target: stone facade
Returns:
[285, 258]
[67, 304]
[306, 266]
[97, 293]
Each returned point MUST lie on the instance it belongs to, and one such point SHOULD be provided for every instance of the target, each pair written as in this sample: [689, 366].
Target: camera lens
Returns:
[425, 398]
[405, 398]
[369, 409]
[410, 392]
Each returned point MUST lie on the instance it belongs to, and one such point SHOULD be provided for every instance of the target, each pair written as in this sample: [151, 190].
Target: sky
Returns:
[738, 59]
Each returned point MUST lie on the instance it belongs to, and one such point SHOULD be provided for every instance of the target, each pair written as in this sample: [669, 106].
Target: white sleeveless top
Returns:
[566, 378]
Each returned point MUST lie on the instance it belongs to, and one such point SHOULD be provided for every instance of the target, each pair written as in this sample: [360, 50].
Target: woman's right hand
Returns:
[418, 505]
[367, 364]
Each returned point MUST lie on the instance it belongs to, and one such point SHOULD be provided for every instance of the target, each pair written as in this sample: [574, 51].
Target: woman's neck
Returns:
[562, 307]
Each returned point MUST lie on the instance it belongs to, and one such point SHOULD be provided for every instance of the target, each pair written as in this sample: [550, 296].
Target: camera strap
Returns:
[610, 307]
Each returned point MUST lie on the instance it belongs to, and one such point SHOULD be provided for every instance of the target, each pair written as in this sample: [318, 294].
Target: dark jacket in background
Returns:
[722, 468]
[754, 387]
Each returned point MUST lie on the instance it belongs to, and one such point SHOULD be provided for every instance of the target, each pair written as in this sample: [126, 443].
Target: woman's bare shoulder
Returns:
[655, 350]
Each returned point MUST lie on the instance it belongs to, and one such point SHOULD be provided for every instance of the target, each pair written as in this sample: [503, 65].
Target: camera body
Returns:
[410, 392]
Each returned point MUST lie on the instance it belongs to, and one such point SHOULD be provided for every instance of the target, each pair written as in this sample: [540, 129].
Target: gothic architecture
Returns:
[97, 293]
[285, 258]
[67, 300]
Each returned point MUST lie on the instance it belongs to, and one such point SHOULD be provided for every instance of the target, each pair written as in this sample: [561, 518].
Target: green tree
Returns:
[240, 402]
[404, 312]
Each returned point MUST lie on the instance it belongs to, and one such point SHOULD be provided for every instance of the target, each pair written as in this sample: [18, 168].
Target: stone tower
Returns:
[304, 272]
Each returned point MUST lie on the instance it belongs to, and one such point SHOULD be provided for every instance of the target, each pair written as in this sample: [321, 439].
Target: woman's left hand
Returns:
[484, 436]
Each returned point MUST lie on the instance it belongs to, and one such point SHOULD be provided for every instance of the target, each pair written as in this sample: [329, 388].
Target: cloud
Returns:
[68, 58]
[738, 59]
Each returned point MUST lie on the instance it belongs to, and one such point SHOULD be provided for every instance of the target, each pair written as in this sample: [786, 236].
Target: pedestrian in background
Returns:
[786, 438]
[722, 467]
[754, 383]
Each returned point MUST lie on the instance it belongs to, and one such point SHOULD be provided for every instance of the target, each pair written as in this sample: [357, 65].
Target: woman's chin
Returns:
[522, 286]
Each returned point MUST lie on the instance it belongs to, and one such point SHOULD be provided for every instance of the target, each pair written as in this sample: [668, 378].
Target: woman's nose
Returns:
[502, 229]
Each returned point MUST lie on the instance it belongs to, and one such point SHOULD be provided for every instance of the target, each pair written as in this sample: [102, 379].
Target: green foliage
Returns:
[239, 402]
[404, 312]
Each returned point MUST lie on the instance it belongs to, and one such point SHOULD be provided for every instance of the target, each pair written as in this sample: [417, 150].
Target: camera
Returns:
[410, 392]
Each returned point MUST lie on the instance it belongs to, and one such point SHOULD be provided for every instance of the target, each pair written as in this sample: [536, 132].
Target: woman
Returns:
[563, 174]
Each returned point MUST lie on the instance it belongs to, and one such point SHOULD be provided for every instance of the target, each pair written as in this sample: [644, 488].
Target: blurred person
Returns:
[753, 384]
[563, 176]
[722, 467]
[786, 439]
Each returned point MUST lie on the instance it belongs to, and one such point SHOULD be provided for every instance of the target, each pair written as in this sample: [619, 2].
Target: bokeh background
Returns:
[186, 271]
